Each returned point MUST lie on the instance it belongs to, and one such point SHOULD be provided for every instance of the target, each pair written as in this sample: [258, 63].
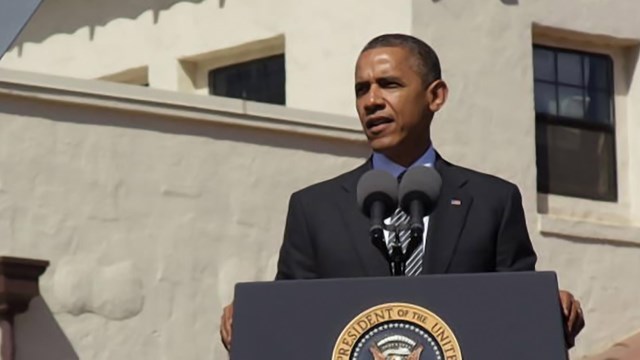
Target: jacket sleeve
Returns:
[514, 251]
[297, 258]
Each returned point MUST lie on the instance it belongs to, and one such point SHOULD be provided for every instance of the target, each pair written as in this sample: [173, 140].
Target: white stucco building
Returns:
[152, 199]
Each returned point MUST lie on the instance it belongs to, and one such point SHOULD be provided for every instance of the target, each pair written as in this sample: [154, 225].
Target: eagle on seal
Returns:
[414, 355]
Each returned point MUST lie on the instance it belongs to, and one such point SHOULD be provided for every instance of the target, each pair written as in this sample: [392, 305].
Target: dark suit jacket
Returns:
[326, 235]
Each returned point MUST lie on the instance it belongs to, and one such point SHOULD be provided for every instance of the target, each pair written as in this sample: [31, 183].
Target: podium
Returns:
[497, 316]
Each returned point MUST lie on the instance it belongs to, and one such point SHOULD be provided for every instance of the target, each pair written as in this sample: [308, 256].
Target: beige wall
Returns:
[123, 35]
[594, 246]
[147, 215]
[138, 169]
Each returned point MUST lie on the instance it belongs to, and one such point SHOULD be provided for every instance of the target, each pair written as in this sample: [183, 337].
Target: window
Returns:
[260, 80]
[575, 137]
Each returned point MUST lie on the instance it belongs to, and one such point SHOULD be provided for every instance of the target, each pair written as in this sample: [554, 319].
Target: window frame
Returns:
[582, 123]
[280, 56]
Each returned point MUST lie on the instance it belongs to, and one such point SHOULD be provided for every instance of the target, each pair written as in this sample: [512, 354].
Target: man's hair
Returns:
[425, 58]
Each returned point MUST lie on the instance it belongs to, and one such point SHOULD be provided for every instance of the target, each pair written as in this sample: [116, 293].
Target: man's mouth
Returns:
[378, 124]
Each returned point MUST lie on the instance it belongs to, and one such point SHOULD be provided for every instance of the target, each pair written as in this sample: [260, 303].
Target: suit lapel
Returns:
[370, 258]
[448, 219]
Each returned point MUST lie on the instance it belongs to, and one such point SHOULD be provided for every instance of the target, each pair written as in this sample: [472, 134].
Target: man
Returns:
[478, 224]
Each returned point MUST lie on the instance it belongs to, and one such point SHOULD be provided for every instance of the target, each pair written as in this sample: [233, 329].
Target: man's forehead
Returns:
[385, 54]
[383, 60]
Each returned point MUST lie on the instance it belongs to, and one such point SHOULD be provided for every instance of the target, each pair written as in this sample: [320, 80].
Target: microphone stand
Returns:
[377, 238]
[396, 257]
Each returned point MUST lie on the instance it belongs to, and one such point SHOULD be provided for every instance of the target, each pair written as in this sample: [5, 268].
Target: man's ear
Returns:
[437, 94]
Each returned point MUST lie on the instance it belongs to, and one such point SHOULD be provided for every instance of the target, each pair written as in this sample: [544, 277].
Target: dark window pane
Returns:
[258, 80]
[571, 102]
[575, 144]
[599, 108]
[597, 72]
[544, 67]
[546, 99]
[576, 162]
[570, 68]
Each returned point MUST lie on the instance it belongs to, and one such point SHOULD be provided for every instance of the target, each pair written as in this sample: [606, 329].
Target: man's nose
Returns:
[374, 101]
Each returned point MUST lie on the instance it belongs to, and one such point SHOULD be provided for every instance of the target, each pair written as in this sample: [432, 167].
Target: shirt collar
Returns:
[382, 162]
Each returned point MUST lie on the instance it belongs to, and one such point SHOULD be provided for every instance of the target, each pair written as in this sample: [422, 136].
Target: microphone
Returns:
[377, 195]
[419, 191]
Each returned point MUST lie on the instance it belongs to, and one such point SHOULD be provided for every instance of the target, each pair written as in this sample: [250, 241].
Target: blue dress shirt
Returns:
[382, 162]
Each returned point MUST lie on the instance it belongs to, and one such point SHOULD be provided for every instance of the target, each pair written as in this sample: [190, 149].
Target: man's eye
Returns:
[361, 89]
[387, 84]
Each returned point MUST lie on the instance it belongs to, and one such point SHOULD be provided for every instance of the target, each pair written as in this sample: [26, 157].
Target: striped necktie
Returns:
[400, 222]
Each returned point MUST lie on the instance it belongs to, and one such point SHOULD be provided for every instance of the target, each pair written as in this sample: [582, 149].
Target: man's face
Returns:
[393, 104]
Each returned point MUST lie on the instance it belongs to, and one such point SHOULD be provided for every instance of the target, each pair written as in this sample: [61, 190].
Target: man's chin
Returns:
[381, 145]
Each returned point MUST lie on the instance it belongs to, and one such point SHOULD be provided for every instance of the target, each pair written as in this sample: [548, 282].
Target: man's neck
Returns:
[408, 158]
[382, 162]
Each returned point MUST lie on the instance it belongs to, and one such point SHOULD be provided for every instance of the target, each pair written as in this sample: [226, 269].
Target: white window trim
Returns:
[579, 210]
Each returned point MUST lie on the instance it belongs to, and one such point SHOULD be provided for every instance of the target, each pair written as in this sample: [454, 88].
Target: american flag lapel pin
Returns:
[456, 202]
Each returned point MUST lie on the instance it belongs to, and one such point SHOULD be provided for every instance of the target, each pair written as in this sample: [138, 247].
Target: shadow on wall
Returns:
[633, 59]
[38, 335]
[67, 16]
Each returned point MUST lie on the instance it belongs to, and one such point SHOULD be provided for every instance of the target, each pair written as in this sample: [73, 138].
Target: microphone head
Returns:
[420, 183]
[377, 185]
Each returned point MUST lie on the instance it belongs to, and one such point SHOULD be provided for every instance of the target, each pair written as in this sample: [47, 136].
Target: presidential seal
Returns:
[397, 331]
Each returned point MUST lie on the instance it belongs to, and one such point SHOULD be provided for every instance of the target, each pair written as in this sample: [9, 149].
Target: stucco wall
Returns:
[486, 51]
[149, 217]
[99, 39]
[138, 176]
